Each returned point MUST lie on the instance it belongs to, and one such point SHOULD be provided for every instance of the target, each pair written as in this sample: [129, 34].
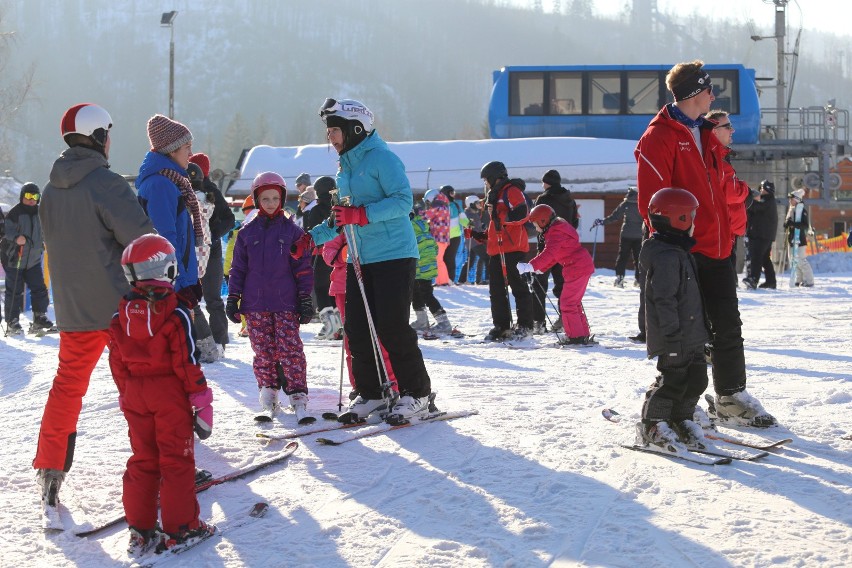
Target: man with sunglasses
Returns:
[679, 149]
[22, 255]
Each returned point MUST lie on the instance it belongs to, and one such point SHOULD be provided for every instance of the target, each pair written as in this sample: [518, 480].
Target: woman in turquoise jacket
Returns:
[374, 201]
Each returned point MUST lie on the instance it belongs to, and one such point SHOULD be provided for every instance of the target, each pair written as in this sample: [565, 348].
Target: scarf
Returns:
[189, 198]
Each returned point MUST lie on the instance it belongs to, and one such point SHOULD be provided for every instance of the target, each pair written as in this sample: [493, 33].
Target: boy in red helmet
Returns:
[674, 325]
[163, 395]
[562, 245]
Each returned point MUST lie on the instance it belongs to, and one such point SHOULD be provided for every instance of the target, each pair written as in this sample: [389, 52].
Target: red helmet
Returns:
[673, 208]
[542, 216]
[87, 119]
[150, 258]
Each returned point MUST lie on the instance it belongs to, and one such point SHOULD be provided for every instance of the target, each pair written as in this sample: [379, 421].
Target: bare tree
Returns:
[14, 92]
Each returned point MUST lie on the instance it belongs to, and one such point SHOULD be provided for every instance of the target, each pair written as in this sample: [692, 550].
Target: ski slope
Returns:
[536, 479]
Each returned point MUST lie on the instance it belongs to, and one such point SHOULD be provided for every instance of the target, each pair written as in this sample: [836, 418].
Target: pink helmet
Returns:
[268, 179]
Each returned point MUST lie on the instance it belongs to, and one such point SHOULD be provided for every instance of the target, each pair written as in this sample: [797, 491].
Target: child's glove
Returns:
[232, 307]
[303, 244]
[202, 412]
[306, 309]
[524, 267]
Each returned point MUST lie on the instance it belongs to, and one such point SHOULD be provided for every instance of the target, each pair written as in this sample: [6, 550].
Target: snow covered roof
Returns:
[587, 164]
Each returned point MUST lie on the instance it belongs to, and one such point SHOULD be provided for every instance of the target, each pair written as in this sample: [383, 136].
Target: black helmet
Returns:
[448, 190]
[195, 175]
[492, 171]
[768, 186]
[323, 185]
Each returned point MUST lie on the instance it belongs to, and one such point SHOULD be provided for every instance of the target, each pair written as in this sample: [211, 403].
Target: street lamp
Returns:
[168, 21]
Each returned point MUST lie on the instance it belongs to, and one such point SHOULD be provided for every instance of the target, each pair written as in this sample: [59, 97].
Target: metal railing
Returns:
[811, 124]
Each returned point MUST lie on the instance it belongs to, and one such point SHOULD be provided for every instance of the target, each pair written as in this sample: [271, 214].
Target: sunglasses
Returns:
[33, 196]
[729, 126]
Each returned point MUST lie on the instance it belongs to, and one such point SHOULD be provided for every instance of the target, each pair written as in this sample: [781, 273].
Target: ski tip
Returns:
[327, 442]
[259, 509]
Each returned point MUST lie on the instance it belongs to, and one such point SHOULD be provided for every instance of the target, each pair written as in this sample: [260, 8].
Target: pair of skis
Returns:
[363, 429]
[288, 450]
[710, 454]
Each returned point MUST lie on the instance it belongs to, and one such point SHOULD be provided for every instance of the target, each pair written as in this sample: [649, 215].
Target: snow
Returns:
[536, 479]
[592, 164]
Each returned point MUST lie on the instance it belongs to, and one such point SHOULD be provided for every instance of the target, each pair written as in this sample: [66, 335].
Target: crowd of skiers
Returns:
[361, 251]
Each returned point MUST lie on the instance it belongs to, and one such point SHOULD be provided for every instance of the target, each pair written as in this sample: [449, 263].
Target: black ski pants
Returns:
[423, 296]
[450, 257]
[540, 290]
[16, 279]
[679, 385]
[627, 247]
[501, 310]
[759, 251]
[717, 279]
[388, 288]
[322, 280]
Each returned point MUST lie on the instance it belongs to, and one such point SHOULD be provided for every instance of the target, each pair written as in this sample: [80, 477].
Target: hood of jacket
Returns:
[74, 164]
[141, 318]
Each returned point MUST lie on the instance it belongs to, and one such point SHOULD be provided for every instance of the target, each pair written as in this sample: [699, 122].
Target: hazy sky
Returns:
[825, 15]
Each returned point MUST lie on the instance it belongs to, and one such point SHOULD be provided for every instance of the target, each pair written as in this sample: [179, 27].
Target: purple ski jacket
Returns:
[262, 271]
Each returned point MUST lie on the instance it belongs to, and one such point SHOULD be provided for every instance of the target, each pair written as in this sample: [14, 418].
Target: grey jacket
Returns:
[19, 223]
[88, 215]
[628, 211]
[674, 308]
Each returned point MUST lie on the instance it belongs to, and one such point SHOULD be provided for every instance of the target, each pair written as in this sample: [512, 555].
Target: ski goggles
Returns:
[33, 196]
[329, 107]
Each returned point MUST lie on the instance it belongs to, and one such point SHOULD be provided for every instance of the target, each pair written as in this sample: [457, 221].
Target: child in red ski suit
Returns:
[273, 290]
[334, 253]
[163, 395]
[562, 245]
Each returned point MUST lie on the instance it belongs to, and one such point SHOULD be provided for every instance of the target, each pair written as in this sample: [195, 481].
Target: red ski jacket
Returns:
[667, 156]
[512, 235]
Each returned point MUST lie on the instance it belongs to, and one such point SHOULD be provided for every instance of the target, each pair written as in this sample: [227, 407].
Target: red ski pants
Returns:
[79, 352]
[159, 420]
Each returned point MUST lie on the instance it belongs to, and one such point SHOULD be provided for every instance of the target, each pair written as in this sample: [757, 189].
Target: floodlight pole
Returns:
[168, 20]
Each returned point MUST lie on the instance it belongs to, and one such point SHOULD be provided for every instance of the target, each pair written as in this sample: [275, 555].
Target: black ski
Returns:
[236, 474]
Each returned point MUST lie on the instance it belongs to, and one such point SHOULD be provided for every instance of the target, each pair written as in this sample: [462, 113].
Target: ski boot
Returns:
[13, 327]
[41, 325]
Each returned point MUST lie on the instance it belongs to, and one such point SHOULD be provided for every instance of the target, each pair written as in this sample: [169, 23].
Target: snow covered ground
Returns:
[536, 479]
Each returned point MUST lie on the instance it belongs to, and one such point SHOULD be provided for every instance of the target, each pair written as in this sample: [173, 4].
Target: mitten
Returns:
[306, 309]
[524, 267]
[202, 412]
[232, 307]
[350, 215]
[303, 244]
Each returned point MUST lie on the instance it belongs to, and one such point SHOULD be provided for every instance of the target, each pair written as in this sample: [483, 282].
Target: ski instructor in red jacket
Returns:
[680, 149]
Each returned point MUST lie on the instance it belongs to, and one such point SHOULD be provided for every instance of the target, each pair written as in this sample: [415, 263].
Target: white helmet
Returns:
[430, 196]
[470, 200]
[347, 109]
[87, 119]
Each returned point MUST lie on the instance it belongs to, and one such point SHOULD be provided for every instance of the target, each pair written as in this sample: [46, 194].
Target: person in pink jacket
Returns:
[562, 245]
[438, 216]
[334, 253]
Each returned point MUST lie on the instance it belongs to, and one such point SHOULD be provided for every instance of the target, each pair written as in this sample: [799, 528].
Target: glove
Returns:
[190, 295]
[524, 267]
[306, 309]
[478, 236]
[232, 307]
[597, 223]
[344, 215]
[202, 412]
[303, 244]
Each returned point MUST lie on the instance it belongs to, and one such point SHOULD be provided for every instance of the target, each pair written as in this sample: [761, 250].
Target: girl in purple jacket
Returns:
[273, 291]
